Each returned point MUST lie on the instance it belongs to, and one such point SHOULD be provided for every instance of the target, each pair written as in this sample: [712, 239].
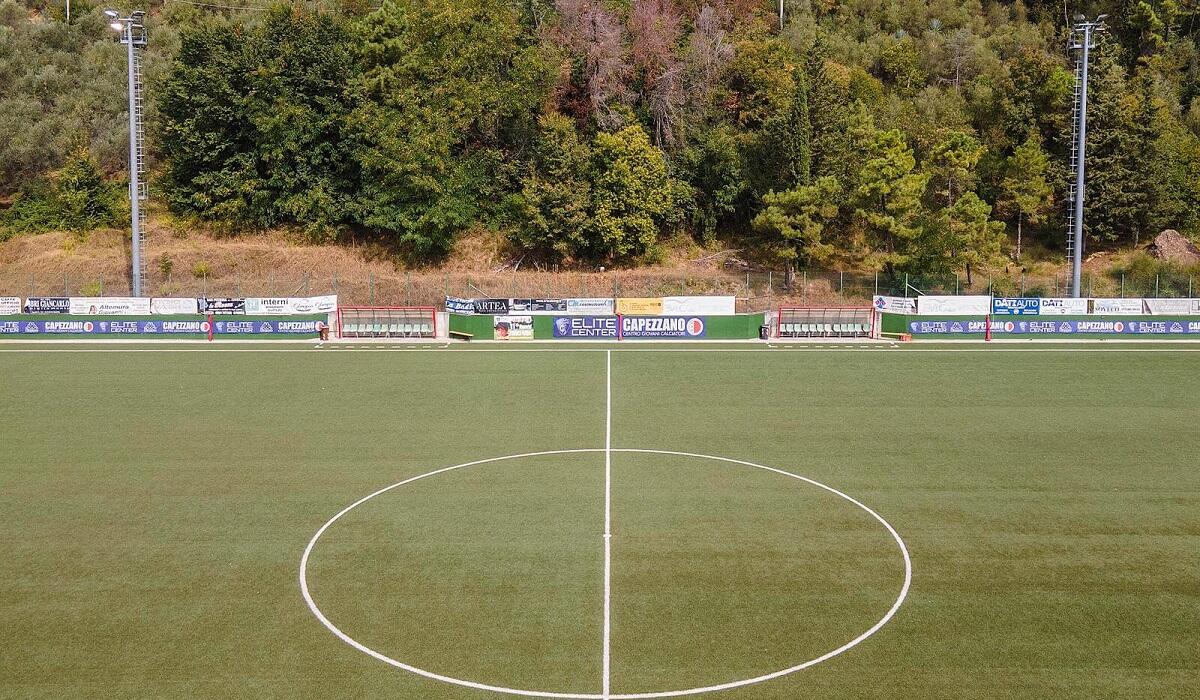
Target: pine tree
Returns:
[888, 200]
[795, 224]
[1025, 193]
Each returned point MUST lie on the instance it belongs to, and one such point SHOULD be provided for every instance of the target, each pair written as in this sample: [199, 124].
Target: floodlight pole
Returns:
[1085, 29]
[133, 35]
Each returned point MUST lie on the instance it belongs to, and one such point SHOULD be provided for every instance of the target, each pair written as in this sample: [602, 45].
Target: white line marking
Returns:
[606, 686]
[592, 696]
[472, 351]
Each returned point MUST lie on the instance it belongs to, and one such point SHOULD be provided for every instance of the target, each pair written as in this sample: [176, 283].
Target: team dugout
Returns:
[823, 323]
[387, 322]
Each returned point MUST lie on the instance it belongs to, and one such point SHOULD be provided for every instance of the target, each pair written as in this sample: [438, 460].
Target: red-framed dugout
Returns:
[387, 314]
[832, 315]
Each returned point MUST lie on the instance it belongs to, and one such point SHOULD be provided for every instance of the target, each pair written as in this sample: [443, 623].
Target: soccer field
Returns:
[916, 523]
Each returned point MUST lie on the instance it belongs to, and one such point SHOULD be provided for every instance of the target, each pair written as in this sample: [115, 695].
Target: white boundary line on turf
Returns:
[304, 559]
[607, 682]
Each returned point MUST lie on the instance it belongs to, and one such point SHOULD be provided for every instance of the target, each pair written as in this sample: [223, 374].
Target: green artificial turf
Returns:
[156, 505]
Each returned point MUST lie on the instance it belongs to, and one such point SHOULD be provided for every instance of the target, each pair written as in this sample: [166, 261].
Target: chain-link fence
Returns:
[756, 290]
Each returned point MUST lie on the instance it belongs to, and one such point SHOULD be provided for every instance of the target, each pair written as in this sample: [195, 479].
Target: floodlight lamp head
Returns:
[111, 13]
[1078, 18]
[116, 26]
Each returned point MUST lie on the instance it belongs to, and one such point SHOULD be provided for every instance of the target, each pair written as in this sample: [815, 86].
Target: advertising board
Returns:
[514, 327]
[1016, 306]
[895, 305]
[48, 305]
[1062, 306]
[699, 306]
[954, 305]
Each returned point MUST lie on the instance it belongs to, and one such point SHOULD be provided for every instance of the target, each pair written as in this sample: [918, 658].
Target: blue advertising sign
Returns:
[1008, 306]
[632, 327]
[1166, 327]
[585, 327]
[197, 327]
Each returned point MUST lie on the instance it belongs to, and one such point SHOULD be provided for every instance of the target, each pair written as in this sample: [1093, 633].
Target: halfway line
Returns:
[605, 685]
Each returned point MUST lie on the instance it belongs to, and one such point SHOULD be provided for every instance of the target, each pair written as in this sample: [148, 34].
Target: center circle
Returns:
[315, 609]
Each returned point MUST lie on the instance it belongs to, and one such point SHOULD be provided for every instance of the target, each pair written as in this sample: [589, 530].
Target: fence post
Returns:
[1122, 285]
[101, 285]
[877, 283]
[370, 288]
[334, 283]
[906, 285]
[842, 282]
[66, 292]
[1089, 285]
[1156, 286]
[682, 287]
[1189, 286]
[271, 283]
[804, 289]
[407, 280]
[1022, 283]
[955, 284]
[306, 292]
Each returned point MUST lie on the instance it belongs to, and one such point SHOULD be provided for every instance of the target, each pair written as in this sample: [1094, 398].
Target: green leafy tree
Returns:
[964, 238]
[1026, 195]
[712, 168]
[888, 200]
[795, 224]
[631, 194]
[554, 207]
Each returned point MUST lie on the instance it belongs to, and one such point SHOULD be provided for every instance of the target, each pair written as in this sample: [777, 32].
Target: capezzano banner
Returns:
[106, 327]
[631, 327]
[1165, 327]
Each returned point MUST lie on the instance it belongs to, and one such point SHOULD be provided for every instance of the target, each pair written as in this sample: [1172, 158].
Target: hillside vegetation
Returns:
[923, 138]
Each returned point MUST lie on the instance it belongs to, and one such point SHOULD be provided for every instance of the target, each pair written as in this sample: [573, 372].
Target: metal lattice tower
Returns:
[1083, 41]
[133, 36]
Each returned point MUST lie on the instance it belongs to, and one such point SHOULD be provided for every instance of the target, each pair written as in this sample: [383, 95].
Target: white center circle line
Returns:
[312, 605]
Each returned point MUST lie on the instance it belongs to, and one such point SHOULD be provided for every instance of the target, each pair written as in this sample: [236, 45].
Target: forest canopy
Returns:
[931, 137]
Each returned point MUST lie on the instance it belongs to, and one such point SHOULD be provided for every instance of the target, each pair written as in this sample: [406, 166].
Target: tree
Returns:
[795, 224]
[1025, 193]
[965, 237]
[952, 164]
[554, 207]
[888, 200]
[631, 194]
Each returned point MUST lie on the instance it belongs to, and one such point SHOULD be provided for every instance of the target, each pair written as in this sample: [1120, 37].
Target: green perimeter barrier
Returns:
[1047, 327]
[135, 327]
[738, 327]
[480, 327]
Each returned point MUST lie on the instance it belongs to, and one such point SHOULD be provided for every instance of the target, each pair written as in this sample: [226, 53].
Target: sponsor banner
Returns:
[1160, 307]
[895, 305]
[105, 327]
[698, 306]
[48, 305]
[495, 307]
[221, 305]
[1062, 306]
[538, 306]
[514, 327]
[10, 306]
[1064, 327]
[455, 305]
[640, 306]
[289, 306]
[250, 327]
[162, 306]
[1116, 307]
[1016, 306]
[685, 327]
[110, 306]
[954, 306]
[585, 327]
[590, 307]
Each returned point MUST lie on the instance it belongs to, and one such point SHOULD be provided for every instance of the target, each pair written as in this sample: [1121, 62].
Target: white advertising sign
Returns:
[1063, 306]
[590, 307]
[514, 327]
[698, 306]
[1127, 307]
[285, 306]
[954, 306]
[1170, 306]
[10, 305]
[895, 305]
[168, 305]
[110, 306]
